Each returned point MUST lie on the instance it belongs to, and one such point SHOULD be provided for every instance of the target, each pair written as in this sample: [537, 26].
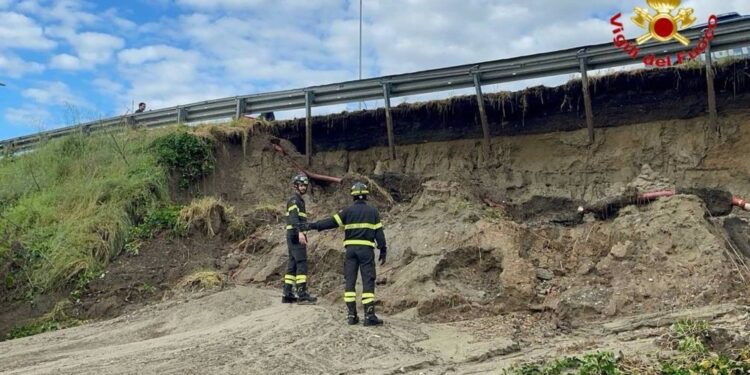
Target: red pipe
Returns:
[741, 203]
[312, 175]
[656, 194]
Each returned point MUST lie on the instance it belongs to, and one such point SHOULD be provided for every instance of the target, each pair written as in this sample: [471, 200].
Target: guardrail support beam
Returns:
[482, 115]
[239, 110]
[308, 126]
[587, 99]
[713, 116]
[389, 119]
[181, 115]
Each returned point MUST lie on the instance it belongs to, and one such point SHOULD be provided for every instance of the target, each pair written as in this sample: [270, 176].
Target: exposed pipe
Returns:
[741, 203]
[315, 176]
[655, 194]
[650, 196]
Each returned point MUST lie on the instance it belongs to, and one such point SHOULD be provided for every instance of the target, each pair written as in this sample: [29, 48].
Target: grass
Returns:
[66, 208]
[71, 205]
[202, 280]
[693, 358]
[56, 319]
[206, 214]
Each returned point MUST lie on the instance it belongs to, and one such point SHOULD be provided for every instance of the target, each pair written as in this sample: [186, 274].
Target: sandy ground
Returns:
[245, 330]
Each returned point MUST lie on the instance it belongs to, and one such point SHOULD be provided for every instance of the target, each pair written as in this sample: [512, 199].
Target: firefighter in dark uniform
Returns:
[296, 272]
[363, 231]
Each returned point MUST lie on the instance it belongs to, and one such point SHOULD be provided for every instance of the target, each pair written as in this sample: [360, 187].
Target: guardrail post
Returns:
[239, 110]
[308, 126]
[181, 115]
[713, 117]
[389, 119]
[482, 114]
[586, 95]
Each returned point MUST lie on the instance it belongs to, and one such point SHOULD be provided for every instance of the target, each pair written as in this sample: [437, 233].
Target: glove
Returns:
[381, 258]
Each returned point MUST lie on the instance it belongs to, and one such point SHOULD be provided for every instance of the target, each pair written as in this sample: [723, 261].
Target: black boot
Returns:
[370, 318]
[351, 316]
[305, 298]
[287, 295]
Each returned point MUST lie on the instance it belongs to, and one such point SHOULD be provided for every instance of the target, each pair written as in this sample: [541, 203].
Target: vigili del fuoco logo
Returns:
[663, 23]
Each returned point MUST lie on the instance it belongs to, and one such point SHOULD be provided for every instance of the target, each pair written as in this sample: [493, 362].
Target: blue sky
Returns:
[65, 61]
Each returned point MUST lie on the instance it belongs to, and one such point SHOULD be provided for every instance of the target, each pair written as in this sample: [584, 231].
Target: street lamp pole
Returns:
[360, 48]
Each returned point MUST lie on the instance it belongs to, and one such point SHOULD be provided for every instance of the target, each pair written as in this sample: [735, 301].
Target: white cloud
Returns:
[4, 4]
[15, 67]
[19, 31]
[165, 76]
[154, 53]
[33, 117]
[226, 4]
[704, 8]
[66, 62]
[92, 49]
[108, 86]
[122, 23]
[70, 13]
[96, 48]
[53, 93]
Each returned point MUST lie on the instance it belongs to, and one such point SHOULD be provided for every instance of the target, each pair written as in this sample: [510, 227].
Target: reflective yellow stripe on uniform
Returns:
[289, 279]
[290, 227]
[363, 226]
[368, 298]
[350, 297]
[294, 207]
[338, 220]
[359, 243]
[301, 279]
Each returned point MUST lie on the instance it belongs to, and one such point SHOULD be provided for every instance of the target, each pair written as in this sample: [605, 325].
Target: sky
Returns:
[67, 61]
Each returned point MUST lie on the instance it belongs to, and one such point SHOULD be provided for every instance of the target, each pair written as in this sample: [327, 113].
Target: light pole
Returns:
[360, 46]
[360, 40]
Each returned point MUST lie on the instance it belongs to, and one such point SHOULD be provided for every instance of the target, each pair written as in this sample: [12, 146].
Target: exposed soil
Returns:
[621, 99]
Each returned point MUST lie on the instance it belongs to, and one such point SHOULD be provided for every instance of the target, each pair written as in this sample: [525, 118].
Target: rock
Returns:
[378, 168]
[621, 250]
[585, 267]
[245, 276]
[604, 265]
[231, 263]
[544, 274]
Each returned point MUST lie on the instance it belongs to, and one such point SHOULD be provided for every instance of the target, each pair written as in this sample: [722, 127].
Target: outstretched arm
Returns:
[334, 221]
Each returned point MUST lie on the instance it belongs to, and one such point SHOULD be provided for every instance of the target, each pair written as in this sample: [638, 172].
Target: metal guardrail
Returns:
[732, 33]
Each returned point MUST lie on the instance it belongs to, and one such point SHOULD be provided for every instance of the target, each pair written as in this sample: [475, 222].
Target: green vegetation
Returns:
[693, 357]
[599, 363]
[188, 155]
[157, 220]
[72, 204]
[54, 320]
